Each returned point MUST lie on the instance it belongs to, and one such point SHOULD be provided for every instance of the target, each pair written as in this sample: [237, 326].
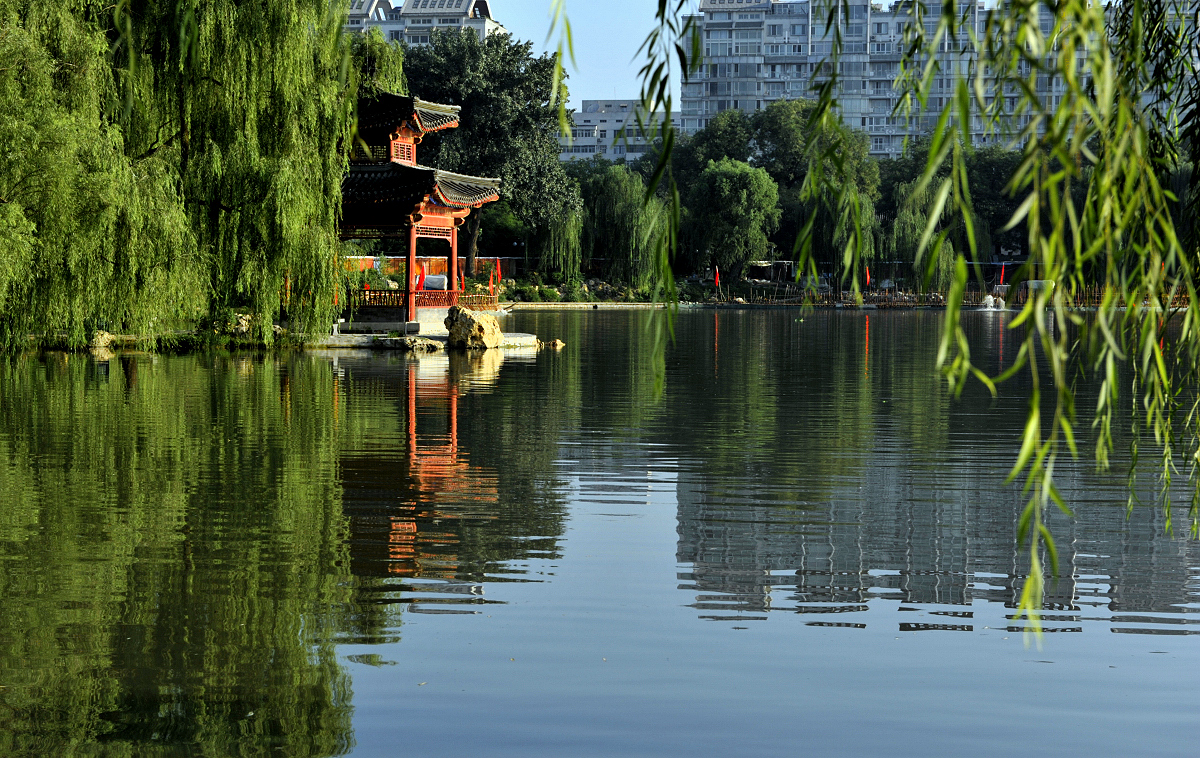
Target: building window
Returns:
[879, 143]
[799, 29]
[774, 30]
[394, 35]
[881, 28]
[418, 39]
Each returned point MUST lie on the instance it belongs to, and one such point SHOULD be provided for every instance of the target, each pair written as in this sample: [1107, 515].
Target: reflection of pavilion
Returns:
[408, 511]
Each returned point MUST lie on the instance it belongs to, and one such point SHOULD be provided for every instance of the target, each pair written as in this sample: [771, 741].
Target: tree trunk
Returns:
[473, 224]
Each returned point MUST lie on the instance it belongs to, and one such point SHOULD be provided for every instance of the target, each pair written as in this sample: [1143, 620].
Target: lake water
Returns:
[792, 542]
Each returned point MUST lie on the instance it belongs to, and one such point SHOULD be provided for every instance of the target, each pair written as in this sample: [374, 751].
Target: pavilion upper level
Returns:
[386, 190]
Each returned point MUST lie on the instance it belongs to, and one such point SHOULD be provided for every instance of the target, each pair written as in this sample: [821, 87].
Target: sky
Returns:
[606, 34]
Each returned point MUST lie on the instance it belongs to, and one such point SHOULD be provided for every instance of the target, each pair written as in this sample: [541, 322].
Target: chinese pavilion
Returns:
[386, 193]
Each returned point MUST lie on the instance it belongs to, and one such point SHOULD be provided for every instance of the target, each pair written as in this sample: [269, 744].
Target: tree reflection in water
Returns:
[185, 539]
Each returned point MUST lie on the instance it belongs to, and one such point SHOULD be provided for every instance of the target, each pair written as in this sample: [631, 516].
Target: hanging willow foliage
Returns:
[909, 228]
[165, 161]
[622, 227]
[557, 243]
[254, 99]
[1101, 184]
[91, 235]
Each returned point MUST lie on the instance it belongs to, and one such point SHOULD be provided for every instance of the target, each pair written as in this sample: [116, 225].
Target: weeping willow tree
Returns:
[92, 234]
[620, 229]
[557, 244]
[162, 162]
[252, 101]
[912, 217]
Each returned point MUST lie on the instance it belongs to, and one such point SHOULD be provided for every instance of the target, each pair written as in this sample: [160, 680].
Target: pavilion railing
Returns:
[478, 302]
[425, 299]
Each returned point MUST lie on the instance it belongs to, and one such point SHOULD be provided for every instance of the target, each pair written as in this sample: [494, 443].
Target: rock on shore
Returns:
[471, 330]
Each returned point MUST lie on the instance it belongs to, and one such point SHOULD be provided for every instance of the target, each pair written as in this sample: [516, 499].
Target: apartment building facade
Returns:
[413, 21]
[760, 51]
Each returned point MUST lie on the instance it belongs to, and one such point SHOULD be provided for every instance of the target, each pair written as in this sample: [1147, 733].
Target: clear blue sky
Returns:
[607, 35]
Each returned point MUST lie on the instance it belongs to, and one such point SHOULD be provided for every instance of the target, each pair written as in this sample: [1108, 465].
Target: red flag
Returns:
[462, 277]
[421, 278]
[718, 279]
[1002, 273]
[492, 281]
[868, 276]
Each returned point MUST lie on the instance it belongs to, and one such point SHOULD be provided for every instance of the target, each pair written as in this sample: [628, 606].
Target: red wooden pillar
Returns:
[453, 283]
[410, 276]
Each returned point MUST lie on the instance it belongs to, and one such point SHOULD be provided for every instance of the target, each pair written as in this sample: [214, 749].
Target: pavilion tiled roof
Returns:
[400, 183]
[463, 191]
[386, 112]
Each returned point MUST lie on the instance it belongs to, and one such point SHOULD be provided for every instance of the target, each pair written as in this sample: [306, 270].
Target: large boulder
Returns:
[471, 330]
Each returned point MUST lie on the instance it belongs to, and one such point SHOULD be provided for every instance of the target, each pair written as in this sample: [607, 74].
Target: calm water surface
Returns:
[799, 546]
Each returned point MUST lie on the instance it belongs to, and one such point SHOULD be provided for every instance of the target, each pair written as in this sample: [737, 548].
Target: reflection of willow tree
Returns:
[516, 428]
[174, 549]
[739, 405]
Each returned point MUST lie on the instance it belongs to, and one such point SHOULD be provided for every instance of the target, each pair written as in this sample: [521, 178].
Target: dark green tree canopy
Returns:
[508, 127]
[733, 207]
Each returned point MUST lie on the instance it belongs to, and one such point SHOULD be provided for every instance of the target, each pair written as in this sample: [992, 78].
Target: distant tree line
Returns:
[742, 181]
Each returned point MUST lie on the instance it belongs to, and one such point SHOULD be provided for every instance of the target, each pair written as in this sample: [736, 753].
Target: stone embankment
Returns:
[465, 330]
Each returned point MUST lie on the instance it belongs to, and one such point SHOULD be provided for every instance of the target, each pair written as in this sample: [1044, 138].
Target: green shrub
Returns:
[527, 293]
[549, 294]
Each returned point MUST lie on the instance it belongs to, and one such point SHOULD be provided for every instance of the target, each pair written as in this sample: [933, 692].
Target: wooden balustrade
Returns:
[425, 299]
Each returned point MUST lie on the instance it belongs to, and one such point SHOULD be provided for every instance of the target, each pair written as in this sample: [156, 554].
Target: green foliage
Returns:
[89, 235]
[734, 208]
[557, 244]
[916, 205]
[161, 162]
[378, 63]
[255, 99]
[501, 233]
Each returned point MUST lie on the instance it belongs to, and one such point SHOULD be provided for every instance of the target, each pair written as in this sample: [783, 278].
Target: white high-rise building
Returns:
[759, 51]
[414, 20]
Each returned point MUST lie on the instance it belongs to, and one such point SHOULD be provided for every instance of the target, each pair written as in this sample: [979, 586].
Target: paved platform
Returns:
[512, 340]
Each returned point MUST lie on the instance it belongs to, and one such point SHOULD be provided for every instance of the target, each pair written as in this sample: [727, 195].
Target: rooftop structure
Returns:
[413, 21]
[608, 128]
